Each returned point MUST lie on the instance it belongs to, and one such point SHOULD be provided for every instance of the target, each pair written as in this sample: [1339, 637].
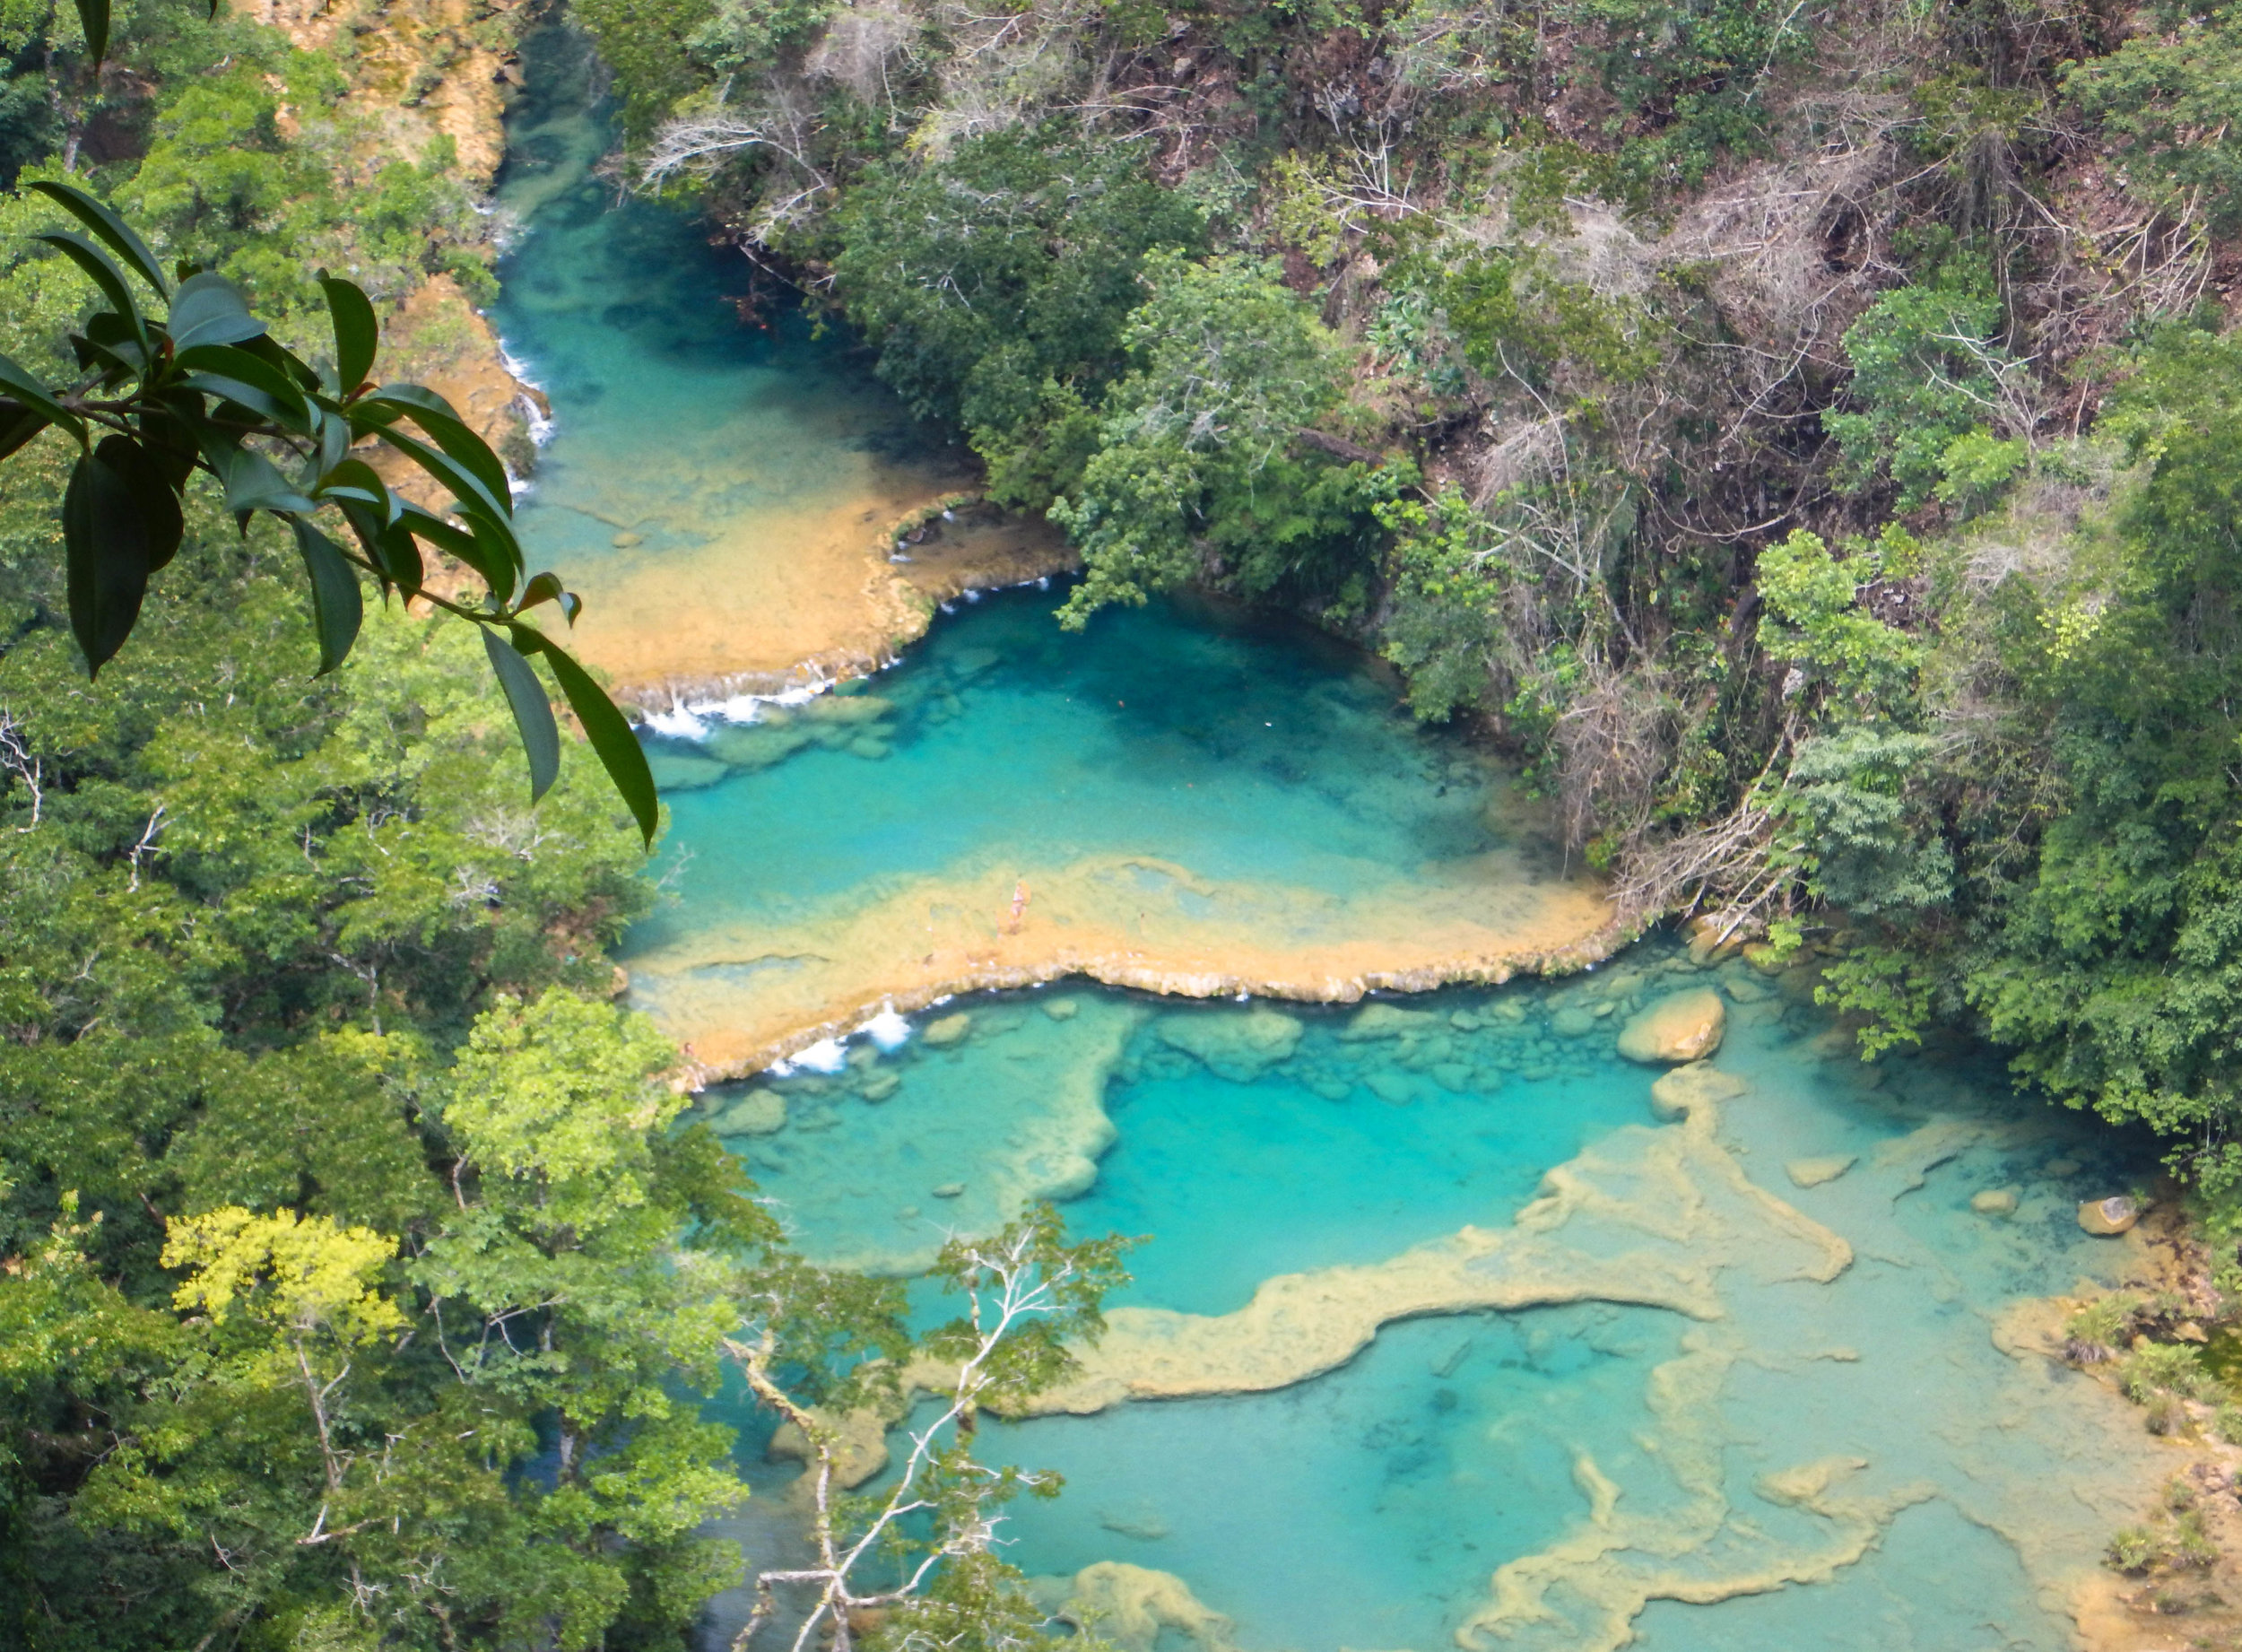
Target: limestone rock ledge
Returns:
[738, 998]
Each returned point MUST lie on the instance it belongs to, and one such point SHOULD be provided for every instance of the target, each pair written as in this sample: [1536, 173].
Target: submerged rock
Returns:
[1140, 1520]
[1994, 1202]
[846, 709]
[758, 744]
[683, 772]
[2108, 1218]
[1237, 1047]
[1062, 1009]
[879, 1086]
[948, 1190]
[1815, 1172]
[760, 1113]
[1683, 1026]
[1133, 1607]
[1743, 988]
[948, 1031]
[1572, 1021]
[1388, 1021]
[1685, 1088]
[1394, 1089]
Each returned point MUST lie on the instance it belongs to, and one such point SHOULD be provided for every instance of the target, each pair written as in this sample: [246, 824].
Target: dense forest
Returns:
[1802, 433]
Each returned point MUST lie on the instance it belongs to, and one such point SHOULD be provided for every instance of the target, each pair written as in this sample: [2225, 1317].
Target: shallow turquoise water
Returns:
[707, 445]
[674, 414]
[1367, 1507]
[1305, 1166]
[1242, 751]
[1357, 1510]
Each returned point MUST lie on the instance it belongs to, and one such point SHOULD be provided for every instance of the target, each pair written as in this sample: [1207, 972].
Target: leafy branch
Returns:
[1027, 1293]
[206, 388]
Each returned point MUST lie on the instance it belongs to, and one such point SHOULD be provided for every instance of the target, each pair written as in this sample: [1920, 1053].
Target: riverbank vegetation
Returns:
[1802, 433]
[1797, 431]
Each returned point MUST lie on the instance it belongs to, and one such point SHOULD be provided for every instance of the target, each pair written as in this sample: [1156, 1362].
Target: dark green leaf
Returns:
[228, 371]
[337, 607]
[158, 505]
[546, 587]
[210, 311]
[246, 396]
[287, 363]
[533, 713]
[355, 479]
[170, 443]
[335, 439]
[17, 424]
[495, 539]
[94, 14]
[124, 340]
[399, 554]
[419, 397]
[33, 394]
[357, 335]
[610, 732]
[102, 270]
[451, 434]
[253, 483]
[112, 229]
[105, 544]
[381, 540]
[463, 483]
[458, 542]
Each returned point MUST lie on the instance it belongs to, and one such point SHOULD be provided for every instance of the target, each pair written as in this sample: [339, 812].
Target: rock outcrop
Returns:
[1686, 1026]
[2108, 1218]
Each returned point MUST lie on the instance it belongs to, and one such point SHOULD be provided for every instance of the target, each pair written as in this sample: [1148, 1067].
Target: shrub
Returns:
[1926, 373]
[2134, 1550]
[2163, 1368]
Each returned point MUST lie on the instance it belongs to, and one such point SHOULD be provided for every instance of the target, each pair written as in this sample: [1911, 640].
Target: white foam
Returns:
[696, 720]
[889, 1029]
[540, 426]
[517, 367]
[678, 723]
[825, 1055]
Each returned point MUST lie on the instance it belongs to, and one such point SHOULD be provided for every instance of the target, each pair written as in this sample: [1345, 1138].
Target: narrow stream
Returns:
[1523, 1351]
[724, 470]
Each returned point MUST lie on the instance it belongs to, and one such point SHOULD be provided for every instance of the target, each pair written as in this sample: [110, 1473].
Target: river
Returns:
[1501, 1338]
